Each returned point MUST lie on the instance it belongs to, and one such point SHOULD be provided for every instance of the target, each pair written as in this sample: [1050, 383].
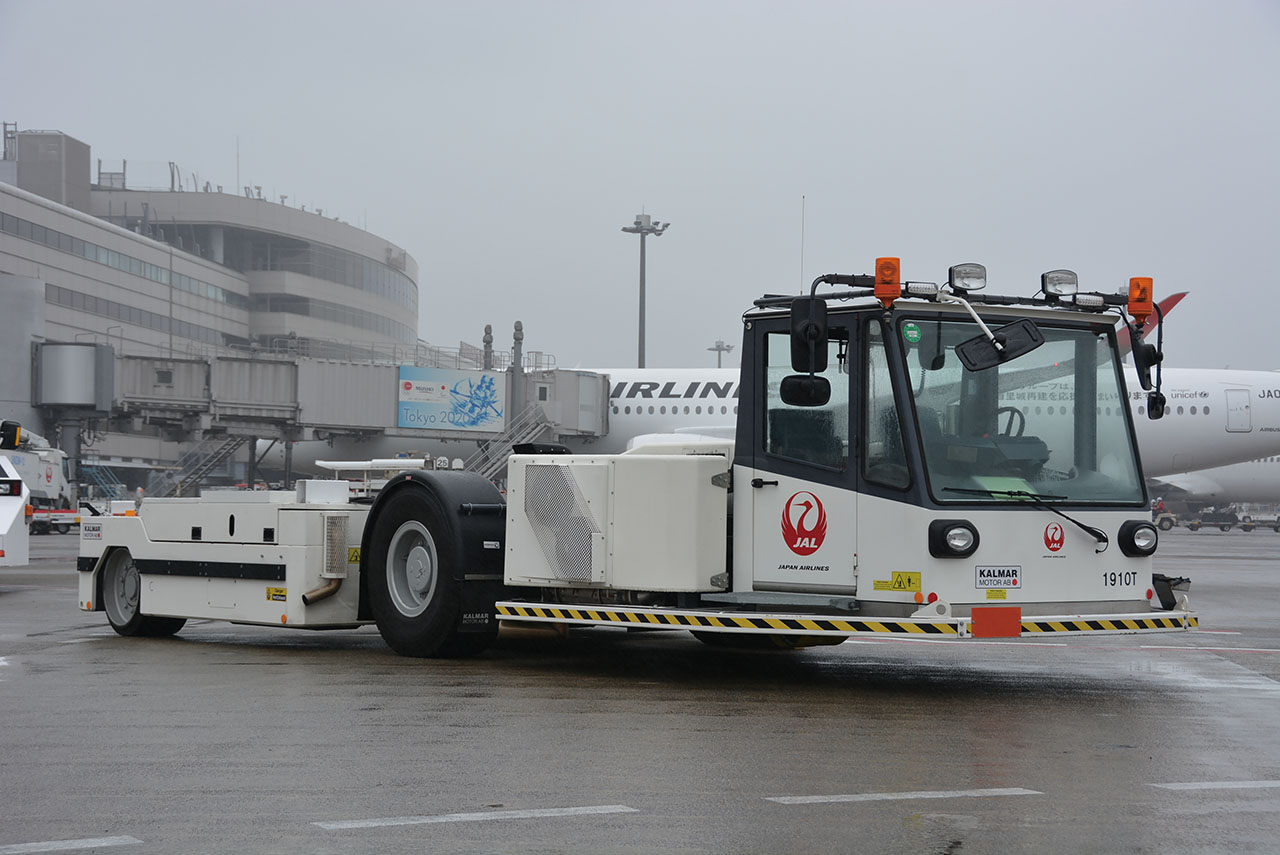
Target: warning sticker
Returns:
[353, 555]
[999, 577]
[997, 594]
[901, 581]
[277, 595]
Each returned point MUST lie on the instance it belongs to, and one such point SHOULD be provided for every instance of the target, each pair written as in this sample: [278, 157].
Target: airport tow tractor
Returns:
[910, 459]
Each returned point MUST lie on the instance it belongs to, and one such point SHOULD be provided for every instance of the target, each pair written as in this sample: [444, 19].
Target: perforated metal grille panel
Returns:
[560, 518]
[335, 546]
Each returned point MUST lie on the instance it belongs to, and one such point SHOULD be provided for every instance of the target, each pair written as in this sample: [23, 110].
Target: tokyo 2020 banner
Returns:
[451, 400]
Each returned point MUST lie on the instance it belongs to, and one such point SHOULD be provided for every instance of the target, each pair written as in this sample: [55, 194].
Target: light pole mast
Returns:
[644, 226]
[720, 350]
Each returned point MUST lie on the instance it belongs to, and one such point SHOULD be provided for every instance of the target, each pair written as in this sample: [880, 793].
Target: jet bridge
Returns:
[213, 402]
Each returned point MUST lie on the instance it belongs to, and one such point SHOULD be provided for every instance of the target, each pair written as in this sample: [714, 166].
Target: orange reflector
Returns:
[996, 622]
[88, 605]
[30, 511]
[888, 281]
[1140, 297]
[919, 598]
[284, 618]
[131, 513]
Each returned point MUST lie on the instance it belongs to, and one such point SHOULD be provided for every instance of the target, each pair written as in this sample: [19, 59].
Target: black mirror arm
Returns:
[996, 341]
[1155, 399]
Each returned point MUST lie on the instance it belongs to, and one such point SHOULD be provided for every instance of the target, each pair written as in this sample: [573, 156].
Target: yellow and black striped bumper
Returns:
[756, 622]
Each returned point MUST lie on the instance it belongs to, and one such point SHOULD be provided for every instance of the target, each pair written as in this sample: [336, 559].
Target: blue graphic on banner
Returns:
[451, 400]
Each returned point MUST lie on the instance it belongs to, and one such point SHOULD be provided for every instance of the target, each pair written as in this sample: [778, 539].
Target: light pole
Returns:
[720, 349]
[644, 226]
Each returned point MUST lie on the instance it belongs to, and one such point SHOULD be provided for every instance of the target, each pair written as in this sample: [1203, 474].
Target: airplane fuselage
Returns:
[1214, 418]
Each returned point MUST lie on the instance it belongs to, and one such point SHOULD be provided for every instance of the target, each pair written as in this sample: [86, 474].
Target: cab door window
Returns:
[817, 435]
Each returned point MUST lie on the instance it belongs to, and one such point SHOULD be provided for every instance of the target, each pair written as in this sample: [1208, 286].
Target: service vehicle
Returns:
[45, 521]
[44, 469]
[1224, 519]
[875, 485]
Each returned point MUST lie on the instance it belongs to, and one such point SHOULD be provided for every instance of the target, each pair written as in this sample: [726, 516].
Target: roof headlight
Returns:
[1059, 283]
[967, 277]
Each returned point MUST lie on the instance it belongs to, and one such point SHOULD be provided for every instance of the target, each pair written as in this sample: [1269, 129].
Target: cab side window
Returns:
[817, 435]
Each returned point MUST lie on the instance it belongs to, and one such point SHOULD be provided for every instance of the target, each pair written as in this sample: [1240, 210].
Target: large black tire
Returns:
[122, 600]
[1225, 526]
[415, 599]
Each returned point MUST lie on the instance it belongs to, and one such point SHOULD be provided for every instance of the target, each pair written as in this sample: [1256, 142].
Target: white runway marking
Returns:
[67, 845]
[1213, 649]
[1220, 785]
[888, 797]
[483, 816]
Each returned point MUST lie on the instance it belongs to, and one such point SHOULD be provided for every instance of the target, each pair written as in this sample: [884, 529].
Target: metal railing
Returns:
[193, 466]
[490, 460]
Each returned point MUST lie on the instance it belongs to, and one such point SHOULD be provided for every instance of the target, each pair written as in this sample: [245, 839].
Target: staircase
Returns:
[192, 467]
[490, 460]
[104, 479]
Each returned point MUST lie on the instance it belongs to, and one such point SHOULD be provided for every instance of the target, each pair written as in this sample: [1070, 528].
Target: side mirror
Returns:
[1145, 357]
[809, 334]
[1016, 339]
[805, 390]
[10, 433]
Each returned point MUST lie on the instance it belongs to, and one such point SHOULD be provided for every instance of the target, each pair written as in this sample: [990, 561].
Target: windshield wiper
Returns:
[1040, 500]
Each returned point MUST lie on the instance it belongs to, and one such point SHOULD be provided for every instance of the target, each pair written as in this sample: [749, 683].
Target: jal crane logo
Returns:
[1054, 536]
[804, 523]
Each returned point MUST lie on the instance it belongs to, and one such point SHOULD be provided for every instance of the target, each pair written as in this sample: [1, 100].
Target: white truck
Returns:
[44, 470]
[909, 459]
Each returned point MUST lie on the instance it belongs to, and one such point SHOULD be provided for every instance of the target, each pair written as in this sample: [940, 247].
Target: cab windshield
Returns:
[1050, 423]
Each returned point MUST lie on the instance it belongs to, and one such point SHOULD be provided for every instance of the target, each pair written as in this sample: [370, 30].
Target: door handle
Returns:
[760, 482]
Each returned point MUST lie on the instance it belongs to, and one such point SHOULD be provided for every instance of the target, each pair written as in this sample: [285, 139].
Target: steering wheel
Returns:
[1016, 418]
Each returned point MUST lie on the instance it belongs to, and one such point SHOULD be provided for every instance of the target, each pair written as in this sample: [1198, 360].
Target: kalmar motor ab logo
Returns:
[1054, 536]
[804, 523]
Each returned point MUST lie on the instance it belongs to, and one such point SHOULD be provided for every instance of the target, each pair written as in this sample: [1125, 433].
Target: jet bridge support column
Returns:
[515, 406]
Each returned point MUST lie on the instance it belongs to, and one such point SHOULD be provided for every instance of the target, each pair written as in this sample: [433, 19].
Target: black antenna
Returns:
[802, 243]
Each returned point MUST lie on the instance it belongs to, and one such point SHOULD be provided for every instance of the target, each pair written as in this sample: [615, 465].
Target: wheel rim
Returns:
[412, 568]
[121, 586]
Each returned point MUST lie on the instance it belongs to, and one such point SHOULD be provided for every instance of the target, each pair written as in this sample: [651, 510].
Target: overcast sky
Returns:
[505, 144]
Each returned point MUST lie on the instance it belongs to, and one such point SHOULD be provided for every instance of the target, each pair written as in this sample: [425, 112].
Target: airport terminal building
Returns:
[181, 275]
[161, 331]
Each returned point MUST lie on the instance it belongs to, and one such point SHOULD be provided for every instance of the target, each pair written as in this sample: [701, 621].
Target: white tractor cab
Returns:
[910, 459]
[14, 496]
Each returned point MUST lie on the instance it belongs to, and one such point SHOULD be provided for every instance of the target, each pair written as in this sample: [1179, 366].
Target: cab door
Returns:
[795, 485]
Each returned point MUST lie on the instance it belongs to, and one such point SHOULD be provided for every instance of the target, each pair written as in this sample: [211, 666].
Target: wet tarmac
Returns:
[244, 739]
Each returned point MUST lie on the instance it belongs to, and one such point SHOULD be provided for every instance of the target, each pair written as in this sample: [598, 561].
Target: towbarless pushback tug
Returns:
[909, 458]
